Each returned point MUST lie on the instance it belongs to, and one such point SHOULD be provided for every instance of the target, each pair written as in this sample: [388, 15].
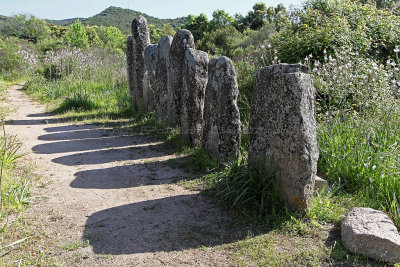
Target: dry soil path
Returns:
[117, 192]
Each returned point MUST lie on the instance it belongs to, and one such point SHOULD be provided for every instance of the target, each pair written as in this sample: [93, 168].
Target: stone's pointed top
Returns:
[184, 38]
[166, 38]
[165, 44]
[225, 64]
[287, 68]
[141, 19]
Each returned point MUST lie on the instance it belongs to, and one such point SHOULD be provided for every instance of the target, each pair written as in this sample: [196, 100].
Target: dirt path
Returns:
[116, 192]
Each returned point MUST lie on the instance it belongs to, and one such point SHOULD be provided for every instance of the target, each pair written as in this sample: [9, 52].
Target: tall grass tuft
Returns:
[250, 192]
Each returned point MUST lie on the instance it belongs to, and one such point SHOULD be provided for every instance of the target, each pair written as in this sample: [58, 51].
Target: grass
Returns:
[364, 156]
[15, 189]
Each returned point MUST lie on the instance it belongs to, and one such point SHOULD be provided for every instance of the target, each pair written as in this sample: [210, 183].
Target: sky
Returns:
[63, 9]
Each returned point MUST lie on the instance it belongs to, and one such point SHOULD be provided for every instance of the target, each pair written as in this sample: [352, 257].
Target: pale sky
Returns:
[62, 9]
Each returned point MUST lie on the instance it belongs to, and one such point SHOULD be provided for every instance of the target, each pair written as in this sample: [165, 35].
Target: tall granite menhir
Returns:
[282, 130]
[149, 77]
[222, 127]
[183, 40]
[162, 99]
[141, 39]
[130, 64]
[193, 90]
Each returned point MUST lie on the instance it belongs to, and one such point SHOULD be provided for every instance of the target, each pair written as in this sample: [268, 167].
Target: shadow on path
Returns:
[167, 224]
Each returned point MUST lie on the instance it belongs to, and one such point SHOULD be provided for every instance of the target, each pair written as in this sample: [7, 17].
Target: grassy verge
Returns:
[15, 186]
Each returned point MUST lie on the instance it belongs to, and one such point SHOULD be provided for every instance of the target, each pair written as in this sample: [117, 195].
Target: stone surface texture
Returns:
[162, 99]
[130, 64]
[149, 78]
[282, 130]
[222, 127]
[193, 91]
[141, 39]
[183, 40]
[371, 233]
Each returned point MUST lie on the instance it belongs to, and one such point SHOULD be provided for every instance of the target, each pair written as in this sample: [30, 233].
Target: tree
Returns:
[76, 35]
[25, 27]
[111, 37]
[257, 17]
[197, 25]
[156, 33]
[220, 19]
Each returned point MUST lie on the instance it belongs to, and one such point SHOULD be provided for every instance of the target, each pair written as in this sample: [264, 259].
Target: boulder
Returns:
[282, 131]
[193, 90]
[222, 127]
[371, 233]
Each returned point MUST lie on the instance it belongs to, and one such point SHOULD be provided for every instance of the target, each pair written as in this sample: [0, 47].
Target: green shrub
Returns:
[76, 35]
[25, 27]
[330, 25]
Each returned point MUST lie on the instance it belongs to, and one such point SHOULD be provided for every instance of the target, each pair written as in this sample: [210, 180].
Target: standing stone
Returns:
[149, 77]
[162, 99]
[282, 130]
[130, 64]
[221, 133]
[193, 90]
[141, 39]
[371, 233]
[183, 40]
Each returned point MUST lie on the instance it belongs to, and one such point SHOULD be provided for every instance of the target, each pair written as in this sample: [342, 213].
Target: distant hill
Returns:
[120, 18]
[63, 22]
[2, 17]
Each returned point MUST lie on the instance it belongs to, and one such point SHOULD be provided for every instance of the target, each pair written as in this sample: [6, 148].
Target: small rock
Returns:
[371, 233]
[320, 184]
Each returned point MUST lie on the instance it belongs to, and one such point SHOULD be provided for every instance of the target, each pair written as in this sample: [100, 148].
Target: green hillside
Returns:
[120, 18]
[63, 22]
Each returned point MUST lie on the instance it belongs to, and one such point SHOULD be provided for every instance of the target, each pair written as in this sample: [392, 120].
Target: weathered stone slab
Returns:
[371, 233]
[130, 64]
[183, 40]
[162, 98]
[149, 77]
[282, 130]
[193, 91]
[222, 127]
[141, 39]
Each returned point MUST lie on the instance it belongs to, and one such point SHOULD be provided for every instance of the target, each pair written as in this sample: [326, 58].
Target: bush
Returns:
[330, 25]
[25, 27]
[76, 35]
[17, 58]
